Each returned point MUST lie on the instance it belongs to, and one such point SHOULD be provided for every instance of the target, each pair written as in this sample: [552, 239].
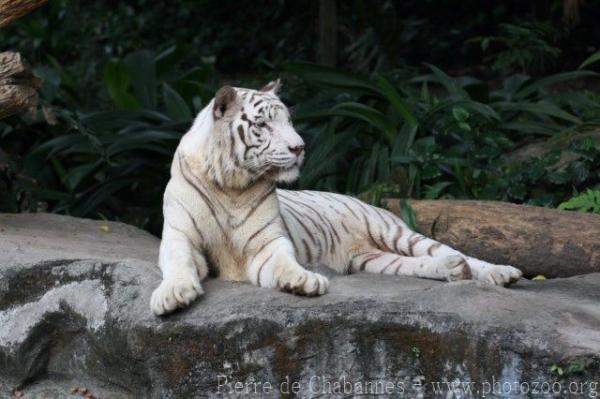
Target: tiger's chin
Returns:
[288, 175]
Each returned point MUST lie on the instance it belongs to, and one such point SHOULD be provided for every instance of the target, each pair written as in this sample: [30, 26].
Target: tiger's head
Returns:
[252, 138]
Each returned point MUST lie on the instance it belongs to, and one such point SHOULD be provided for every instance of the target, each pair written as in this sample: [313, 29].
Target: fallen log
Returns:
[539, 241]
[17, 85]
[13, 9]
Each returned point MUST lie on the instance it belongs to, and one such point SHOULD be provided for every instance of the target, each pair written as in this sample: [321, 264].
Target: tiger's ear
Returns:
[273, 86]
[225, 98]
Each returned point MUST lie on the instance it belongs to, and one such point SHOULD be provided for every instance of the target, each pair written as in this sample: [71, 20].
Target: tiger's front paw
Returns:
[499, 275]
[303, 282]
[173, 294]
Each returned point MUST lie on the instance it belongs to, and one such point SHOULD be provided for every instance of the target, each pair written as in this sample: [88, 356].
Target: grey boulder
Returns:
[74, 314]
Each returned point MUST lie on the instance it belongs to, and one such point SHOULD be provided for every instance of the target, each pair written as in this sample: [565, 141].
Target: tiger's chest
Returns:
[237, 219]
[229, 262]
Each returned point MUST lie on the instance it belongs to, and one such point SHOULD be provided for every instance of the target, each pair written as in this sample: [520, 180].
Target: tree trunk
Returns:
[327, 32]
[13, 9]
[571, 11]
[17, 85]
[550, 242]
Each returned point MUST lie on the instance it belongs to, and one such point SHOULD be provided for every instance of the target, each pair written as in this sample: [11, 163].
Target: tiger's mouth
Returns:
[287, 167]
[277, 170]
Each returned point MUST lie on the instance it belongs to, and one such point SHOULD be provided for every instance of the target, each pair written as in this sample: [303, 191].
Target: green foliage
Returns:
[377, 127]
[588, 201]
[110, 164]
[450, 144]
[523, 47]
[431, 136]
[408, 215]
[572, 367]
[590, 60]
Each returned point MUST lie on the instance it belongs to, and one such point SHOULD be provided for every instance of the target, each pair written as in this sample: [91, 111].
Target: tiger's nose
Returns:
[296, 150]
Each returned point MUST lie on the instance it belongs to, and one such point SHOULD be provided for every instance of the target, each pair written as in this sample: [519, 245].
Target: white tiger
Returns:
[221, 209]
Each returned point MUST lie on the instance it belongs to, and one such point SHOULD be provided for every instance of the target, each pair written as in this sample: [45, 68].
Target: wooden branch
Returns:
[15, 99]
[13, 9]
[550, 242]
[17, 85]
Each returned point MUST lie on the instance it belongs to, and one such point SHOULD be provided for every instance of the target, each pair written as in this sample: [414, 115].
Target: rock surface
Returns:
[74, 312]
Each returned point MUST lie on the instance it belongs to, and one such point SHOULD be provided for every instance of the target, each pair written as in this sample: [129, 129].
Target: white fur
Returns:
[221, 209]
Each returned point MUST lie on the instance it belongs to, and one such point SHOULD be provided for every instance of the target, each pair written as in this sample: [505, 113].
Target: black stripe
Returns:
[332, 248]
[363, 265]
[262, 247]
[413, 240]
[257, 232]
[261, 267]
[204, 197]
[390, 264]
[266, 147]
[371, 238]
[432, 248]
[189, 215]
[397, 237]
[259, 201]
[292, 214]
[350, 209]
[345, 228]
[308, 253]
[197, 248]
[397, 268]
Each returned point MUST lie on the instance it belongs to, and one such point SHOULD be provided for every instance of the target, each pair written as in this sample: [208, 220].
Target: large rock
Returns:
[74, 311]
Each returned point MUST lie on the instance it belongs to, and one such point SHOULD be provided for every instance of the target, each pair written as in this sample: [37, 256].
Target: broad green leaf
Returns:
[404, 140]
[142, 74]
[408, 215]
[117, 82]
[322, 157]
[78, 173]
[475, 107]
[535, 128]
[392, 95]
[460, 114]
[368, 114]
[449, 83]
[551, 80]
[139, 140]
[434, 191]
[590, 60]
[176, 106]
[588, 201]
[368, 174]
[539, 108]
[167, 60]
[331, 77]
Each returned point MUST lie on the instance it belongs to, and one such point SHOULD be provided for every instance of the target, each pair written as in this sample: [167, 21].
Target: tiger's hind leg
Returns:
[450, 268]
[408, 242]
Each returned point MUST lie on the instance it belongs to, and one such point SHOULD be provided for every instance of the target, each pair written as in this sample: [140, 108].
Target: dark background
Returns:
[424, 99]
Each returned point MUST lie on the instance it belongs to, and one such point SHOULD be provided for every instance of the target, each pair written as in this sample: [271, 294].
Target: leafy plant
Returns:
[112, 164]
[451, 143]
[520, 48]
[590, 60]
[588, 201]
[408, 215]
